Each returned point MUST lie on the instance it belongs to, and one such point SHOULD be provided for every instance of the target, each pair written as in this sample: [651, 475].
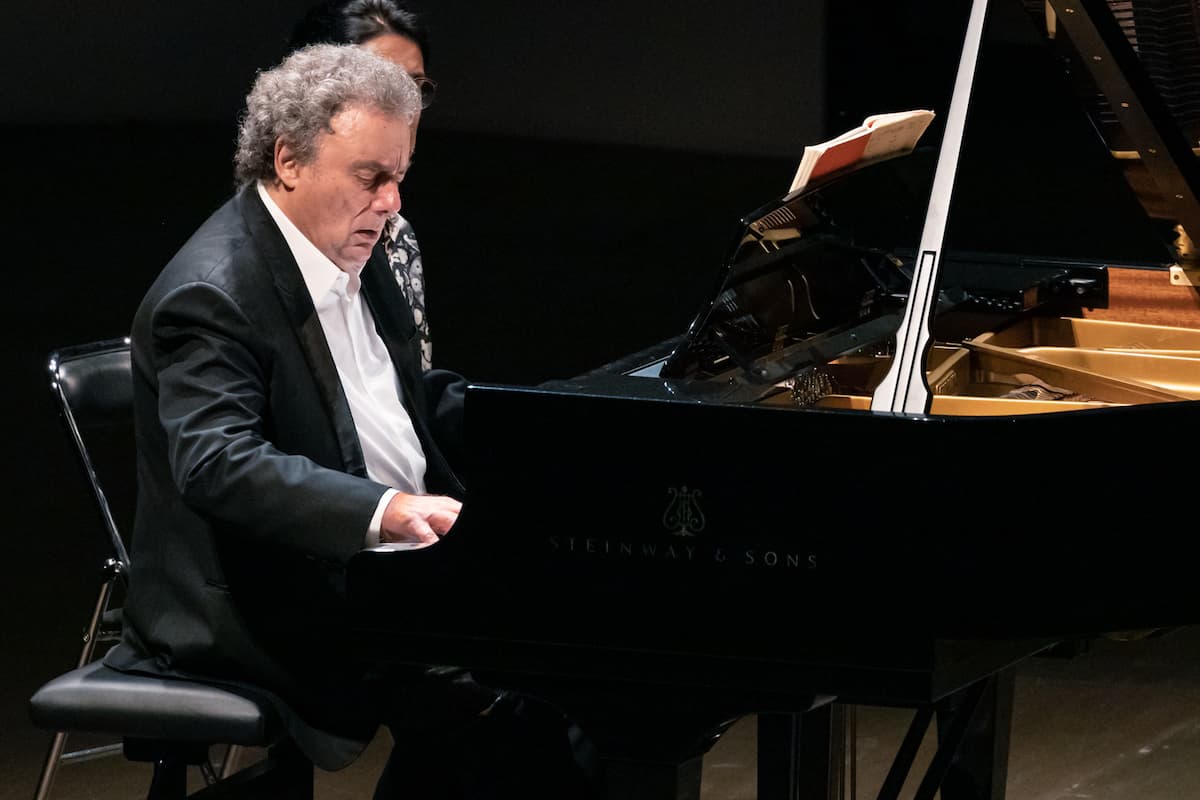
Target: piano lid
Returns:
[1040, 204]
[1037, 172]
[1137, 68]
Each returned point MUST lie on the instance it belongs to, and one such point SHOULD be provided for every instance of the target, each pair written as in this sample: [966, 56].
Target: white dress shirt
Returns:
[391, 450]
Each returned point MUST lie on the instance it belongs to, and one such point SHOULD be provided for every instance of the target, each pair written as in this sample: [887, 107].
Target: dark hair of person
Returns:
[356, 21]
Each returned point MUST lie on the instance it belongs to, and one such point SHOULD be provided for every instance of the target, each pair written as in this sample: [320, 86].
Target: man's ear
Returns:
[287, 168]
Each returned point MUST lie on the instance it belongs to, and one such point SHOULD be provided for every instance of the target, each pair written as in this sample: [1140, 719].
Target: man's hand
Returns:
[418, 517]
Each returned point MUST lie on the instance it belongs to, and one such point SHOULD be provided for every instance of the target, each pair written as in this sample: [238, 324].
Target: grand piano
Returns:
[730, 523]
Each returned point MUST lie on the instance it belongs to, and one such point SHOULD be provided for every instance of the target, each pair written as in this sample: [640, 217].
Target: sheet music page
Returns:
[878, 136]
[895, 133]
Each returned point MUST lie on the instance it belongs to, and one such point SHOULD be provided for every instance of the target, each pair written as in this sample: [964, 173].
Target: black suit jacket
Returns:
[253, 492]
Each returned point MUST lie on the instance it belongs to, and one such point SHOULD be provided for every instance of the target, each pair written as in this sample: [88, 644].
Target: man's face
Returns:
[403, 52]
[399, 50]
[341, 200]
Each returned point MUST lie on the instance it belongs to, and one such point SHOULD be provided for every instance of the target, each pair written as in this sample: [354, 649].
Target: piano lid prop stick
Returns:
[904, 388]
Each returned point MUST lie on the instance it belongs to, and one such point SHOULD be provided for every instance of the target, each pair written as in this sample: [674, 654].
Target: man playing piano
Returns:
[284, 422]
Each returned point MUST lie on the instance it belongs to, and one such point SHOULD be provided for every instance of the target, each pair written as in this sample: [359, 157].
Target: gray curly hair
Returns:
[296, 100]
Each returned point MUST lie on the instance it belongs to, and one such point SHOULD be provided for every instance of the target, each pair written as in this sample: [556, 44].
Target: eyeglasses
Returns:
[428, 89]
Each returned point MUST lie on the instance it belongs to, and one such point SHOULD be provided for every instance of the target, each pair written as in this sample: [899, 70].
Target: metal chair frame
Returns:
[104, 624]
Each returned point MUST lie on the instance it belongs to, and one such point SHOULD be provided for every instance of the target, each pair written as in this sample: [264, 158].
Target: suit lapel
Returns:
[393, 318]
[298, 306]
[394, 322]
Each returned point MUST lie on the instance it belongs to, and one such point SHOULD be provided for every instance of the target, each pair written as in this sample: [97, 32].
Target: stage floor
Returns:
[1120, 722]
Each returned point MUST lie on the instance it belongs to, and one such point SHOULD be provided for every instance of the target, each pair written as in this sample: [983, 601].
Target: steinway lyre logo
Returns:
[683, 516]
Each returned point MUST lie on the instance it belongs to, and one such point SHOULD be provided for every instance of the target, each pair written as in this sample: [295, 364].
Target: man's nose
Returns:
[388, 198]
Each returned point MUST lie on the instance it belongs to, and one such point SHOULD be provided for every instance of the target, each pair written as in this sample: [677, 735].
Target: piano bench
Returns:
[172, 723]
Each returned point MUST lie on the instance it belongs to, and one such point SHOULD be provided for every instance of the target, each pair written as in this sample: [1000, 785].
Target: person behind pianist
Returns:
[283, 422]
[399, 34]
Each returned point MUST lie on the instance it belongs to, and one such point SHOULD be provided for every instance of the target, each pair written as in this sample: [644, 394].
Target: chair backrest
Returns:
[167, 721]
[93, 385]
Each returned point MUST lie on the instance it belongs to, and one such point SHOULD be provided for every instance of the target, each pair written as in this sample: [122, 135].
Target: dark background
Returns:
[575, 187]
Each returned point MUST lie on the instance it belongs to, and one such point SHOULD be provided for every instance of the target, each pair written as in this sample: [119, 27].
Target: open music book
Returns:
[879, 136]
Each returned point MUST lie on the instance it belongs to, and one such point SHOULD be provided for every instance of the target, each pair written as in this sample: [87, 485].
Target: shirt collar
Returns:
[321, 276]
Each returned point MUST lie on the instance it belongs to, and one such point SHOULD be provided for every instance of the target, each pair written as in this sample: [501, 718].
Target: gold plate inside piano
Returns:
[1096, 334]
[1038, 365]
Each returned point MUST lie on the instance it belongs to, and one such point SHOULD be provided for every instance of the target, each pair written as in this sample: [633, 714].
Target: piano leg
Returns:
[652, 750]
[645, 780]
[650, 740]
[978, 716]
[800, 755]
[979, 770]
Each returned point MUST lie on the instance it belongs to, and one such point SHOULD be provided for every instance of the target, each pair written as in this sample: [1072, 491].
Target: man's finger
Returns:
[442, 521]
[421, 530]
